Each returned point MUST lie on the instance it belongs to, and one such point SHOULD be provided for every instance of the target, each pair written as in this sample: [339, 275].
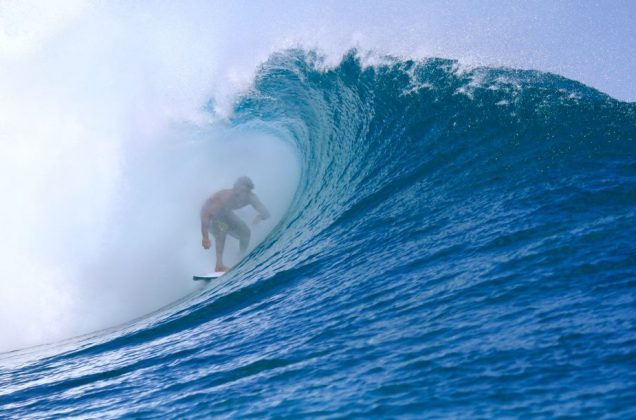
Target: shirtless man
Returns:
[217, 216]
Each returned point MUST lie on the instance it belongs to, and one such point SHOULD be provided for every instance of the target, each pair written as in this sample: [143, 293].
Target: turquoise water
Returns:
[461, 245]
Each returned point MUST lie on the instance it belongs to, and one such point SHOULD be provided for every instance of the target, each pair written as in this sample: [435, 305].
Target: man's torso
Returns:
[228, 200]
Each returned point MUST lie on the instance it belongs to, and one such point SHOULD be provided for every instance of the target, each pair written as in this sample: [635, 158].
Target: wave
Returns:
[460, 243]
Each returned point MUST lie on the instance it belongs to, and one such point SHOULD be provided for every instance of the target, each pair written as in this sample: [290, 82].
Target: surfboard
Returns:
[210, 276]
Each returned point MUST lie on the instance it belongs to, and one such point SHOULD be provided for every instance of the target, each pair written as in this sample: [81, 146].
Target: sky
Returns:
[102, 124]
[591, 41]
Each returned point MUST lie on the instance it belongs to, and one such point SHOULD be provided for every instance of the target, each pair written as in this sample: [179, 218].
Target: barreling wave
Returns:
[461, 243]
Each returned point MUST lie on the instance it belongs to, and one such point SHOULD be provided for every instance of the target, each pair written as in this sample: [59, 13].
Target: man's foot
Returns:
[221, 269]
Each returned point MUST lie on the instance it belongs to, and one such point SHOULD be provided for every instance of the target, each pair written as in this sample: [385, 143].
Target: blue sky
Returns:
[591, 41]
[588, 40]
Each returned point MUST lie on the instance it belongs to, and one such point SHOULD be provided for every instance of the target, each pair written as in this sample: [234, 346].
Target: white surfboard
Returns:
[210, 276]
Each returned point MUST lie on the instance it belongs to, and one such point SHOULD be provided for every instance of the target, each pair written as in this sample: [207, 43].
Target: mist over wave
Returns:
[108, 152]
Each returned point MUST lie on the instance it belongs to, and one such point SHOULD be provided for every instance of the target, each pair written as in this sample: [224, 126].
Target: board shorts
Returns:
[229, 223]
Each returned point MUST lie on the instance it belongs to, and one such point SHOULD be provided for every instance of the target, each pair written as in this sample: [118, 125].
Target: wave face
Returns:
[461, 244]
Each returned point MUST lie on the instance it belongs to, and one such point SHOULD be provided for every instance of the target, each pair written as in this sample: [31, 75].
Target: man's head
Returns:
[243, 184]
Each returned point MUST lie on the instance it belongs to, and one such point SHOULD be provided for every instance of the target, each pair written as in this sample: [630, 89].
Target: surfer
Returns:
[217, 216]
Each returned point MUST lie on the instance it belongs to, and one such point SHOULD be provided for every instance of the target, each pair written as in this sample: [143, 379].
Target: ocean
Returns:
[460, 245]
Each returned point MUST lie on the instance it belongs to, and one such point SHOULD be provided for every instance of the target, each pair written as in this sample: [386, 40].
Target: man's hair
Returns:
[244, 180]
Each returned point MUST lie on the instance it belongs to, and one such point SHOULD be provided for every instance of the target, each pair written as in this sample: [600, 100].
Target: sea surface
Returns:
[461, 244]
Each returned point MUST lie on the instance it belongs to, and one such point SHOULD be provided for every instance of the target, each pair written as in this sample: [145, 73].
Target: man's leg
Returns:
[240, 231]
[244, 239]
[219, 237]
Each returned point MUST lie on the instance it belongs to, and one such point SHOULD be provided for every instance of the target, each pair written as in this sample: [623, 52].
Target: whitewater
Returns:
[449, 238]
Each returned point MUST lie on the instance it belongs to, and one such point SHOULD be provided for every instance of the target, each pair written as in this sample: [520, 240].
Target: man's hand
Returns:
[206, 243]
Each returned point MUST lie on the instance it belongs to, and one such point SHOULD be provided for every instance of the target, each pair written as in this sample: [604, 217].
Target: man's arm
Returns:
[207, 211]
[263, 214]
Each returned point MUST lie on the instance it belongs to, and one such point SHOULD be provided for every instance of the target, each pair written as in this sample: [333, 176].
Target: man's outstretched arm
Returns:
[263, 214]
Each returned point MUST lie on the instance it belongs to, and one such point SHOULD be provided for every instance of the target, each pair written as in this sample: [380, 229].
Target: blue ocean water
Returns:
[461, 244]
